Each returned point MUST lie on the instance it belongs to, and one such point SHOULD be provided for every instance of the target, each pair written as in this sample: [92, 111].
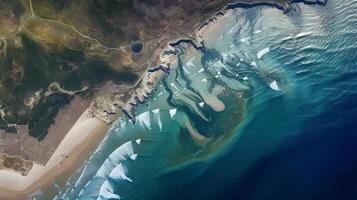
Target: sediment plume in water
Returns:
[262, 91]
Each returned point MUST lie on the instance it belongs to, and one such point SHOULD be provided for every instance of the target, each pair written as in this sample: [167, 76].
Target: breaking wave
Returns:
[264, 82]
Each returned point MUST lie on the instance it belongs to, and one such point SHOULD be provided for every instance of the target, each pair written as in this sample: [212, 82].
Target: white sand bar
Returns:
[84, 136]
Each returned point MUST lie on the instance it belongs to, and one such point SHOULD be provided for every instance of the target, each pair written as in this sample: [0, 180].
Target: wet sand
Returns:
[75, 148]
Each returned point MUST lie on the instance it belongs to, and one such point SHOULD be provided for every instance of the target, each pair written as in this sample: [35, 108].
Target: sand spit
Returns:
[72, 151]
[88, 131]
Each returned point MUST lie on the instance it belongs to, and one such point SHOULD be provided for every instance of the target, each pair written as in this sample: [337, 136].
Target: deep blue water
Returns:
[266, 110]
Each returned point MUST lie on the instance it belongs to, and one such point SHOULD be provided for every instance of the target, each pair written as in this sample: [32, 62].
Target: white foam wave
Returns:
[134, 156]
[159, 121]
[172, 113]
[262, 52]
[201, 104]
[245, 39]
[257, 31]
[303, 34]
[144, 119]
[254, 64]
[112, 167]
[274, 85]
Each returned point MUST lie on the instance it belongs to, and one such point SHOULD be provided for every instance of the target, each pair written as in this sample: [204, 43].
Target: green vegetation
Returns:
[79, 44]
[31, 68]
[112, 7]
[42, 115]
[46, 51]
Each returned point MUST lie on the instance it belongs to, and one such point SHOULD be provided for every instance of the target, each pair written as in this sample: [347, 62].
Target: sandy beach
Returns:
[80, 141]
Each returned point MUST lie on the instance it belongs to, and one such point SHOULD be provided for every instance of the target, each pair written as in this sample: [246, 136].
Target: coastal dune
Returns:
[84, 136]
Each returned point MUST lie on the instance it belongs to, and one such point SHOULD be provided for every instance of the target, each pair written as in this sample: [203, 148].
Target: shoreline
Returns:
[74, 149]
[85, 135]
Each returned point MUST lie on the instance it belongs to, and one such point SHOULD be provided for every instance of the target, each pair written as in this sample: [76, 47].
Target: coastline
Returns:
[82, 138]
[74, 149]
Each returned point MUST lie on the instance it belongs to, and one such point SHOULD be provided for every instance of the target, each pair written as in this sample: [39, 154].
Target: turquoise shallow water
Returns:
[266, 110]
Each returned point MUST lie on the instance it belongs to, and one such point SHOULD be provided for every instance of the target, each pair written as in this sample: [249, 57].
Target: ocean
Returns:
[265, 109]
